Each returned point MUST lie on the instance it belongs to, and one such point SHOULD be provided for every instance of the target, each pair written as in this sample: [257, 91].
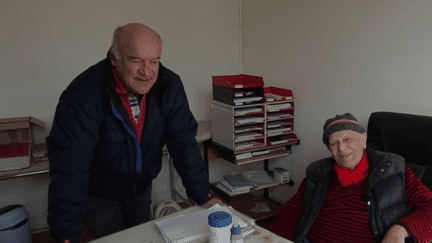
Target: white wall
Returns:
[337, 55]
[340, 56]
[46, 43]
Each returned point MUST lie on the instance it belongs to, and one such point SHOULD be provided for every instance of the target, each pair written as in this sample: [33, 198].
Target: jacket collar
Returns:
[322, 169]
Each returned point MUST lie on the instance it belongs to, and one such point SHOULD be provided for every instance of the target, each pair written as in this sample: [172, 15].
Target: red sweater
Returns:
[344, 218]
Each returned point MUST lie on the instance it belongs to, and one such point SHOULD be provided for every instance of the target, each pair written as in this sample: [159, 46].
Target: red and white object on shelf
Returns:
[239, 81]
[16, 142]
[272, 94]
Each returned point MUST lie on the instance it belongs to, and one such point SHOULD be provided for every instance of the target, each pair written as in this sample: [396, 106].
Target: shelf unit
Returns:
[251, 123]
[249, 133]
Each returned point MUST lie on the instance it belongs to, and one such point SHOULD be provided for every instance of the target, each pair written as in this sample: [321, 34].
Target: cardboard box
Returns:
[16, 142]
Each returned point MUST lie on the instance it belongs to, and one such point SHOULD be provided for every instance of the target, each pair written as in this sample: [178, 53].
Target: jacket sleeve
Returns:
[289, 214]
[181, 129]
[71, 146]
[419, 222]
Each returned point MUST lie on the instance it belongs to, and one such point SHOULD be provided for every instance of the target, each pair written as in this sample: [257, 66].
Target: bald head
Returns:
[125, 37]
[135, 56]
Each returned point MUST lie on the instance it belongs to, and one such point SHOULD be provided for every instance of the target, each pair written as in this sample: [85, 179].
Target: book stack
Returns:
[234, 185]
[260, 179]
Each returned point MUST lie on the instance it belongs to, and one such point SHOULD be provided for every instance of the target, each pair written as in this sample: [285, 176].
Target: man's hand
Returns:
[212, 202]
[395, 234]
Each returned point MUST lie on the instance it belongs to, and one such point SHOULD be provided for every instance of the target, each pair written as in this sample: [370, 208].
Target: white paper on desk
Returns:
[193, 227]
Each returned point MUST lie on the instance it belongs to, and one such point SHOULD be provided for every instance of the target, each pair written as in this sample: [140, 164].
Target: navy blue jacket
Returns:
[385, 193]
[93, 149]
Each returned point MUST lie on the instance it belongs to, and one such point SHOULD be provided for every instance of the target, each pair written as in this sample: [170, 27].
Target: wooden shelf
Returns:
[219, 151]
[264, 157]
[37, 168]
[34, 169]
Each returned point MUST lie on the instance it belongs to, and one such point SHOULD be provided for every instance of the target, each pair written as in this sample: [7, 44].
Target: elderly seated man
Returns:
[358, 195]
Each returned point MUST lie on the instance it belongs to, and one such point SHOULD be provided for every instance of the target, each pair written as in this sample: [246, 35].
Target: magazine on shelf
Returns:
[243, 156]
[273, 124]
[279, 130]
[257, 153]
[244, 93]
[260, 179]
[247, 128]
[247, 99]
[247, 144]
[237, 180]
[246, 136]
[248, 110]
[278, 107]
[235, 187]
[230, 192]
[272, 97]
[249, 119]
[278, 115]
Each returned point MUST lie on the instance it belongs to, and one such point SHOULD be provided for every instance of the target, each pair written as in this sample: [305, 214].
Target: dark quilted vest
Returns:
[386, 197]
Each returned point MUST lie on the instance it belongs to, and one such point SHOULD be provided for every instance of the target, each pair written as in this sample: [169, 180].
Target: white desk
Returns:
[148, 233]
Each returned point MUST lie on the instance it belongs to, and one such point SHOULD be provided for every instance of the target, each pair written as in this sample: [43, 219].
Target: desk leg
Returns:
[266, 190]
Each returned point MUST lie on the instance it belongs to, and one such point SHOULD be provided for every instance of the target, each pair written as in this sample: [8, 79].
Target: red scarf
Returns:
[348, 176]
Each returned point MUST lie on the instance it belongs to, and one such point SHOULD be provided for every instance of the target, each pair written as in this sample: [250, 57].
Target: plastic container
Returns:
[220, 223]
[14, 224]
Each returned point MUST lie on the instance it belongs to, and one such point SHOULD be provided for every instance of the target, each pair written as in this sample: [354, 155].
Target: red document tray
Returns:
[239, 81]
[277, 94]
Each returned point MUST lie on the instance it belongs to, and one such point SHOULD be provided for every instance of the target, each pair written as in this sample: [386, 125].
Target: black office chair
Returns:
[407, 135]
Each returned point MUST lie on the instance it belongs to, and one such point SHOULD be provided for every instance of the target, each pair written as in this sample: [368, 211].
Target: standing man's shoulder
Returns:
[91, 81]
[169, 72]
[168, 81]
[169, 76]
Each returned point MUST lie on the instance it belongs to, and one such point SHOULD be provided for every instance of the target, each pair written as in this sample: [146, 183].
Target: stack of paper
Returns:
[232, 190]
[247, 128]
[246, 100]
[278, 115]
[273, 124]
[278, 107]
[237, 180]
[248, 110]
[193, 227]
[260, 179]
[246, 136]
[243, 156]
[278, 130]
[248, 119]
[247, 144]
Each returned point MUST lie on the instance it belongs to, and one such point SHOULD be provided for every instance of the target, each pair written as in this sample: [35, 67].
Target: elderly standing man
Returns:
[105, 146]
[358, 195]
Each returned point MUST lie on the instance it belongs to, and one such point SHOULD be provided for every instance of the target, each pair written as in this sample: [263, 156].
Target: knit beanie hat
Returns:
[341, 122]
